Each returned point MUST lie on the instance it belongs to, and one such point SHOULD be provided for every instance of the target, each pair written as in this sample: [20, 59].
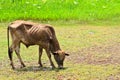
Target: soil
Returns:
[105, 54]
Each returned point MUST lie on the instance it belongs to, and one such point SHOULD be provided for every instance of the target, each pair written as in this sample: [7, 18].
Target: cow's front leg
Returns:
[49, 56]
[40, 54]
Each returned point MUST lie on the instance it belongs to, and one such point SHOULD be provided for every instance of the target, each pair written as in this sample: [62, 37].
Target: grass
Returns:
[83, 72]
[94, 55]
[94, 49]
[82, 10]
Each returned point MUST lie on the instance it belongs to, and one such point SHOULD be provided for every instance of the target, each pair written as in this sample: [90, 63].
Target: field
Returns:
[94, 55]
[89, 30]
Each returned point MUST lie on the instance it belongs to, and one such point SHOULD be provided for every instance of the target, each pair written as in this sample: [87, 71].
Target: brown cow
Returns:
[30, 33]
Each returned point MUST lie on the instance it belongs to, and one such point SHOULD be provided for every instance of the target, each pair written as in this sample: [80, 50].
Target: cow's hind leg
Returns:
[40, 54]
[17, 50]
[10, 53]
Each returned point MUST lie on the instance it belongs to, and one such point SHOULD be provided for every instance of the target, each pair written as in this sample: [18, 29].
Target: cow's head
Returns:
[59, 57]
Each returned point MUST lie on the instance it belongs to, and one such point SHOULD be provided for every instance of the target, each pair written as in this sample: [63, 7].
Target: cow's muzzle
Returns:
[60, 66]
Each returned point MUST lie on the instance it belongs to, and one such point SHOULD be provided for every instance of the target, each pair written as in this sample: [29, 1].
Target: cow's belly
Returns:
[28, 42]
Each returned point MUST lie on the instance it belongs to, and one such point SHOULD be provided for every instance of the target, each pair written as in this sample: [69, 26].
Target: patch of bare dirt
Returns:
[67, 77]
[105, 54]
[113, 77]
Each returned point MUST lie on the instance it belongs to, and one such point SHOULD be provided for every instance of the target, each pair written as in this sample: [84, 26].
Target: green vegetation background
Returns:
[80, 10]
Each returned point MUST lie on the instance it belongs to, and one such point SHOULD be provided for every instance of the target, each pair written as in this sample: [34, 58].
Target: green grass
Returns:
[82, 10]
[80, 41]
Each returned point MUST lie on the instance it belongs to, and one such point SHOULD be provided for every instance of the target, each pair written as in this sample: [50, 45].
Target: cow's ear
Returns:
[66, 54]
[55, 53]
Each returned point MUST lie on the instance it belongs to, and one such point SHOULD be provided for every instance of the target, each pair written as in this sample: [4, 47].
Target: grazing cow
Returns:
[30, 33]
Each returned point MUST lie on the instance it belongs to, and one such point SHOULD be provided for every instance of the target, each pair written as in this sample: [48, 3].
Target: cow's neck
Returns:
[55, 45]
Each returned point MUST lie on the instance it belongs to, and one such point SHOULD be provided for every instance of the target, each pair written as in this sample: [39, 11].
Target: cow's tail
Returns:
[9, 53]
[8, 37]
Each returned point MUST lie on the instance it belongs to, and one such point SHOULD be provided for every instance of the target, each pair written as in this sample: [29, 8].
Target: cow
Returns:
[30, 33]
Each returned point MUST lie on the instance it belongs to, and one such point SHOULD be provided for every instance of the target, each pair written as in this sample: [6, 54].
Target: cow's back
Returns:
[31, 33]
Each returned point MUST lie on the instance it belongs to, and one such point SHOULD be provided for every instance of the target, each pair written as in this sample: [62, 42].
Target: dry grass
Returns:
[94, 55]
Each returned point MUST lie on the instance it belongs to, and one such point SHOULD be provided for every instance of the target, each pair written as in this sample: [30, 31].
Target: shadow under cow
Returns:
[36, 68]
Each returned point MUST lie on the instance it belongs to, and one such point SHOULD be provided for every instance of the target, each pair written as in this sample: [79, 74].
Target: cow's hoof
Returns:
[22, 66]
[40, 65]
[60, 67]
[52, 67]
[13, 67]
